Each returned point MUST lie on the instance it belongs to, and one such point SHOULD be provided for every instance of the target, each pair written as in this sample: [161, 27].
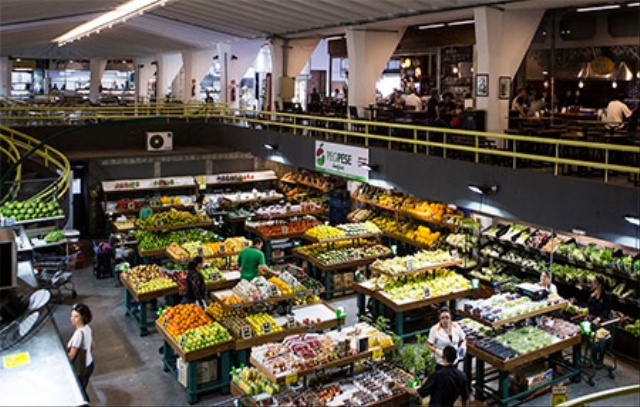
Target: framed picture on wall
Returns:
[482, 85]
[504, 87]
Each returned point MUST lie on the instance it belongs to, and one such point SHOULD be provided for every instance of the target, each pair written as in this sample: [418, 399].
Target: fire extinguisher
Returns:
[232, 95]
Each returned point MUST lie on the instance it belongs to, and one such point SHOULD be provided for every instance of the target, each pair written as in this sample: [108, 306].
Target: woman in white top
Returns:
[545, 282]
[446, 333]
[82, 336]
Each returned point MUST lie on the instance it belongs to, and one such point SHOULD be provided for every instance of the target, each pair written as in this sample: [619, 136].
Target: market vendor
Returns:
[446, 385]
[446, 333]
[252, 261]
[545, 282]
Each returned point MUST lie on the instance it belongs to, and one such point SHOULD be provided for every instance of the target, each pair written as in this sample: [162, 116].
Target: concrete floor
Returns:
[129, 368]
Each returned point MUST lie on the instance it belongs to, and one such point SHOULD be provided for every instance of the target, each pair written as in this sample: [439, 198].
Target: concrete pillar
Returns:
[277, 69]
[5, 76]
[369, 52]
[502, 40]
[242, 57]
[196, 64]
[97, 67]
[224, 57]
[143, 73]
[168, 67]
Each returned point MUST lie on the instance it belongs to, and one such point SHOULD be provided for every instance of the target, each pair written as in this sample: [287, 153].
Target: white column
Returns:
[277, 68]
[369, 52]
[5, 76]
[143, 73]
[242, 57]
[224, 57]
[168, 67]
[196, 64]
[97, 67]
[502, 40]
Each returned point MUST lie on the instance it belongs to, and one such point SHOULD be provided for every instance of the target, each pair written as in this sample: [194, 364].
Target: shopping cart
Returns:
[597, 345]
[52, 274]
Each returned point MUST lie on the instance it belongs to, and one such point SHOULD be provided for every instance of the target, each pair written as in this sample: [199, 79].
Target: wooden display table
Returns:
[290, 376]
[317, 268]
[550, 308]
[217, 297]
[504, 367]
[171, 350]
[178, 227]
[341, 238]
[135, 305]
[285, 215]
[419, 270]
[400, 307]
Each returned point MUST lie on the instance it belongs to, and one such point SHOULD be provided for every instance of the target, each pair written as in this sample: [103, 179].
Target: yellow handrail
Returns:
[13, 155]
[419, 138]
[50, 156]
[602, 395]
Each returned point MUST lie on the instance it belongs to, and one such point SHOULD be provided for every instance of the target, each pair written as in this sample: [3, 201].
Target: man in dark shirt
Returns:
[196, 291]
[445, 385]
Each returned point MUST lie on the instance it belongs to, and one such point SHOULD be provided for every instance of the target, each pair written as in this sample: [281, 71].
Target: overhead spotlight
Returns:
[233, 57]
[634, 220]
[581, 84]
[369, 167]
[598, 8]
[216, 57]
[614, 84]
[483, 190]
[270, 146]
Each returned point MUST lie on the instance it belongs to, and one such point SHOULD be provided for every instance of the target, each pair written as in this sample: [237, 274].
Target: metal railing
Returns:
[51, 158]
[513, 150]
[603, 395]
[9, 150]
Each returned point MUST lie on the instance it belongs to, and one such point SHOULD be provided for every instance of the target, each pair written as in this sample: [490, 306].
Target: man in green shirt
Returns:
[252, 261]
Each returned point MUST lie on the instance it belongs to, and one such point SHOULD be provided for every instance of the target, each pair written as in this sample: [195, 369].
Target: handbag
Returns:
[80, 360]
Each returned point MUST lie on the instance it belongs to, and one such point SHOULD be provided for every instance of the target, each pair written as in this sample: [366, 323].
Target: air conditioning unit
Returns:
[160, 141]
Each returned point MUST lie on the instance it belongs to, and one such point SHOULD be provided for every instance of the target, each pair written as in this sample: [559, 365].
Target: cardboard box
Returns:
[207, 371]
[532, 376]
[337, 281]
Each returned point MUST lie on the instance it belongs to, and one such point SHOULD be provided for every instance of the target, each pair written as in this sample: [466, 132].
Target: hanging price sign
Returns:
[266, 328]
[291, 322]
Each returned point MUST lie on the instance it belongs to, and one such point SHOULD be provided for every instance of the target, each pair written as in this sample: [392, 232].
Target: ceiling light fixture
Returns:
[634, 4]
[118, 15]
[461, 22]
[369, 167]
[271, 146]
[598, 8]
[335, 37]
[483, 190]
[634, 220]
[430, 26]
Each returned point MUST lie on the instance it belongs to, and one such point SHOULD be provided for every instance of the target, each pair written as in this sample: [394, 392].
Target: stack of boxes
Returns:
[207, 371]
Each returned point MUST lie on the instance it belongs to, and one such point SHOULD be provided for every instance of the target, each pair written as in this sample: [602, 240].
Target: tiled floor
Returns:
[129, 371]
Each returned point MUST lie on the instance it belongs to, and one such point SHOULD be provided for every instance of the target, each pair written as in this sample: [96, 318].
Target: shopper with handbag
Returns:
[81, 345]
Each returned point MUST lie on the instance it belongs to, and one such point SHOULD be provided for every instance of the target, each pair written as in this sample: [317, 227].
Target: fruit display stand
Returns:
[280, 232]
[323, 271]
[137, 304]
[506, 367]
[171, 350]
[137, 187]
[353, 354]
[502, 322]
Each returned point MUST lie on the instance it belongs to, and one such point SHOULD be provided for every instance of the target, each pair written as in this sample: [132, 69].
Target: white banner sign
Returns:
[341, 160]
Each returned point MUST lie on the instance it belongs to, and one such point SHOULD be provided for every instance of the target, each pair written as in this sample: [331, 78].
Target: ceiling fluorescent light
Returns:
[335, 37]
[461, 22]
[483, 190]
[634, 4]
[270, 146]
[106, 20]
[634, 220]
[368, 167]
[598, 8]
[430, 26]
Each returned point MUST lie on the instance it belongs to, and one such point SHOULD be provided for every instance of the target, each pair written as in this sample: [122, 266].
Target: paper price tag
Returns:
[222, 249]
[376, 354]
[454, 253]
[183, 341]
[266, 328]
[311, 328]
[237, 306]
[200, 251]
[291, 379]
[166, 321]
[300, 294]
[246, 332]
[291, 322]
[158, 222]
[285, 230]
[273, 290]
[245, 243]
[215, 276]
[410, 264]
[15, 360]
[427, 293]
[131, 206]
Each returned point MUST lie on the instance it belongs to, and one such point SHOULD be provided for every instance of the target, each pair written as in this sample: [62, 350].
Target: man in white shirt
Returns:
[413, 100]
[616, 113]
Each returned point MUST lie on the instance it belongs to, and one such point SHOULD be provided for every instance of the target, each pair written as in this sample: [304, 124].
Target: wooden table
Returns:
[505, 367]
[135, 304]
[497, 324]
[399, 308]
[171, 350]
